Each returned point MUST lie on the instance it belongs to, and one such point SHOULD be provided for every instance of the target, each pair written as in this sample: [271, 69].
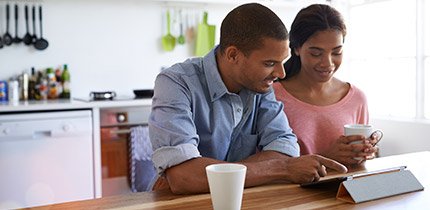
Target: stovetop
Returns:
[117, 98]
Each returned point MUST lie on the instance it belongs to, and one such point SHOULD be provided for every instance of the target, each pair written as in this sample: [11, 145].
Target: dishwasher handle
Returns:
[42, 134]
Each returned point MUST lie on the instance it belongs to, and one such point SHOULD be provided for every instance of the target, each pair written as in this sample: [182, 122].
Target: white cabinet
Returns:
[45, 158]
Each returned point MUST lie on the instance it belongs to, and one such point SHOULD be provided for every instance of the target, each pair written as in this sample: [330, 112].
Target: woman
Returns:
[318, 104]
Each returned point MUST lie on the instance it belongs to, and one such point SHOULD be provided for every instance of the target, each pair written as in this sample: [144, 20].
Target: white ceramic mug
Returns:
[361, 129]
[226, 184]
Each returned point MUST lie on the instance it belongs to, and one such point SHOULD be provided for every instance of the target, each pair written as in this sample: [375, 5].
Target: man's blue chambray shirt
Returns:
[194, 115]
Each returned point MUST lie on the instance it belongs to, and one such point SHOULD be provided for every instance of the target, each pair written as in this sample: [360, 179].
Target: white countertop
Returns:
[63, 104]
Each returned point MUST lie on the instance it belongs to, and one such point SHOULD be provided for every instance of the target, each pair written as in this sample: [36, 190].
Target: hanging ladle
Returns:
[7, 38]
[33, 17]
[16, 39]
[27, 37]
[41, 43]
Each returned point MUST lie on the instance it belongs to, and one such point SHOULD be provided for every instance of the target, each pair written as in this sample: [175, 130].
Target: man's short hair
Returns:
[247, 25]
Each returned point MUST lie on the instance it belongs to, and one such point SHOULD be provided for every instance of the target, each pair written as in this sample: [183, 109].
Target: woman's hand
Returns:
[352, 150]
[374, 139]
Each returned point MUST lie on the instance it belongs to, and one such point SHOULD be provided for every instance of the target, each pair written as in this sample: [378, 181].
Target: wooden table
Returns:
[279, 196]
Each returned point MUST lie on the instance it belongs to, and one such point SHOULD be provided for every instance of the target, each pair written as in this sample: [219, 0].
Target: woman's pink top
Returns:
[317, 127]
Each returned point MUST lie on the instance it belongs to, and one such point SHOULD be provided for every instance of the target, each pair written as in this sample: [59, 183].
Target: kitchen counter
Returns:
[64, 104]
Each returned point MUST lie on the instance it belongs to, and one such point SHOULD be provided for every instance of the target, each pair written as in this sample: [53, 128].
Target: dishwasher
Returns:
[45, 158]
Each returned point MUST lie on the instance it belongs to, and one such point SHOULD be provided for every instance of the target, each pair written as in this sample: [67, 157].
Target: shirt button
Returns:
[238, 110]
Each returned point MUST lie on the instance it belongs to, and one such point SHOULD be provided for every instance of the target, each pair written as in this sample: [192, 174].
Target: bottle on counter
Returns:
[32, 85]
[52, 84]
[13, 90]
[39, 76]
[20, 80]
[65, 79]
[43, 89]
[3, 91]
[58, 74]
[41, 86]
[24, 86]
[59, 83]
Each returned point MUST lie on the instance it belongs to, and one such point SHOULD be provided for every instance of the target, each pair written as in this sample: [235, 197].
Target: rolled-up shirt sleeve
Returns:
[168, 156]
[285, 146]
[273, 126]
[171, 128]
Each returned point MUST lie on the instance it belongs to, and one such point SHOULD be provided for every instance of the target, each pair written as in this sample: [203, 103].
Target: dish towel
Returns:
[142, 170]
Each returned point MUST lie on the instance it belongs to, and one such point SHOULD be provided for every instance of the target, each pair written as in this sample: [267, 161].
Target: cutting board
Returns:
[205, 37]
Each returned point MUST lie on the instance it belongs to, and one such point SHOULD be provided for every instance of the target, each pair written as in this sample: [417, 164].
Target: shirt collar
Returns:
[216, 86]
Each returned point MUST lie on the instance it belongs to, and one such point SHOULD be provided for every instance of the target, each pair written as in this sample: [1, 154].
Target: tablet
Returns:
[337, 179]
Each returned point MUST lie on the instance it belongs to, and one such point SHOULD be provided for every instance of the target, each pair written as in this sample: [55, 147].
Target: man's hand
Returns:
[310, 168]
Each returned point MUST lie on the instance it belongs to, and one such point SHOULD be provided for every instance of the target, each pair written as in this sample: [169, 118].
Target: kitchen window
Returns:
[387, 56]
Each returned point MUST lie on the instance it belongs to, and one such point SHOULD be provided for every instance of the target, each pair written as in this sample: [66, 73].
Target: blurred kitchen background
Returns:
[109, 44]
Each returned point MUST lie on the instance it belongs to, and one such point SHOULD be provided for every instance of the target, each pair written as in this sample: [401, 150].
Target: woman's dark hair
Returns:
[247, 25]
[310, 20]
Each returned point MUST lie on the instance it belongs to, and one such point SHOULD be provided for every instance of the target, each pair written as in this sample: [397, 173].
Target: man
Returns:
[221, 108]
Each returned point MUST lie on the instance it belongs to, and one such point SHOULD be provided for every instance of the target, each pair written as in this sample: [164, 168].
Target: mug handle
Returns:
[380, 134]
